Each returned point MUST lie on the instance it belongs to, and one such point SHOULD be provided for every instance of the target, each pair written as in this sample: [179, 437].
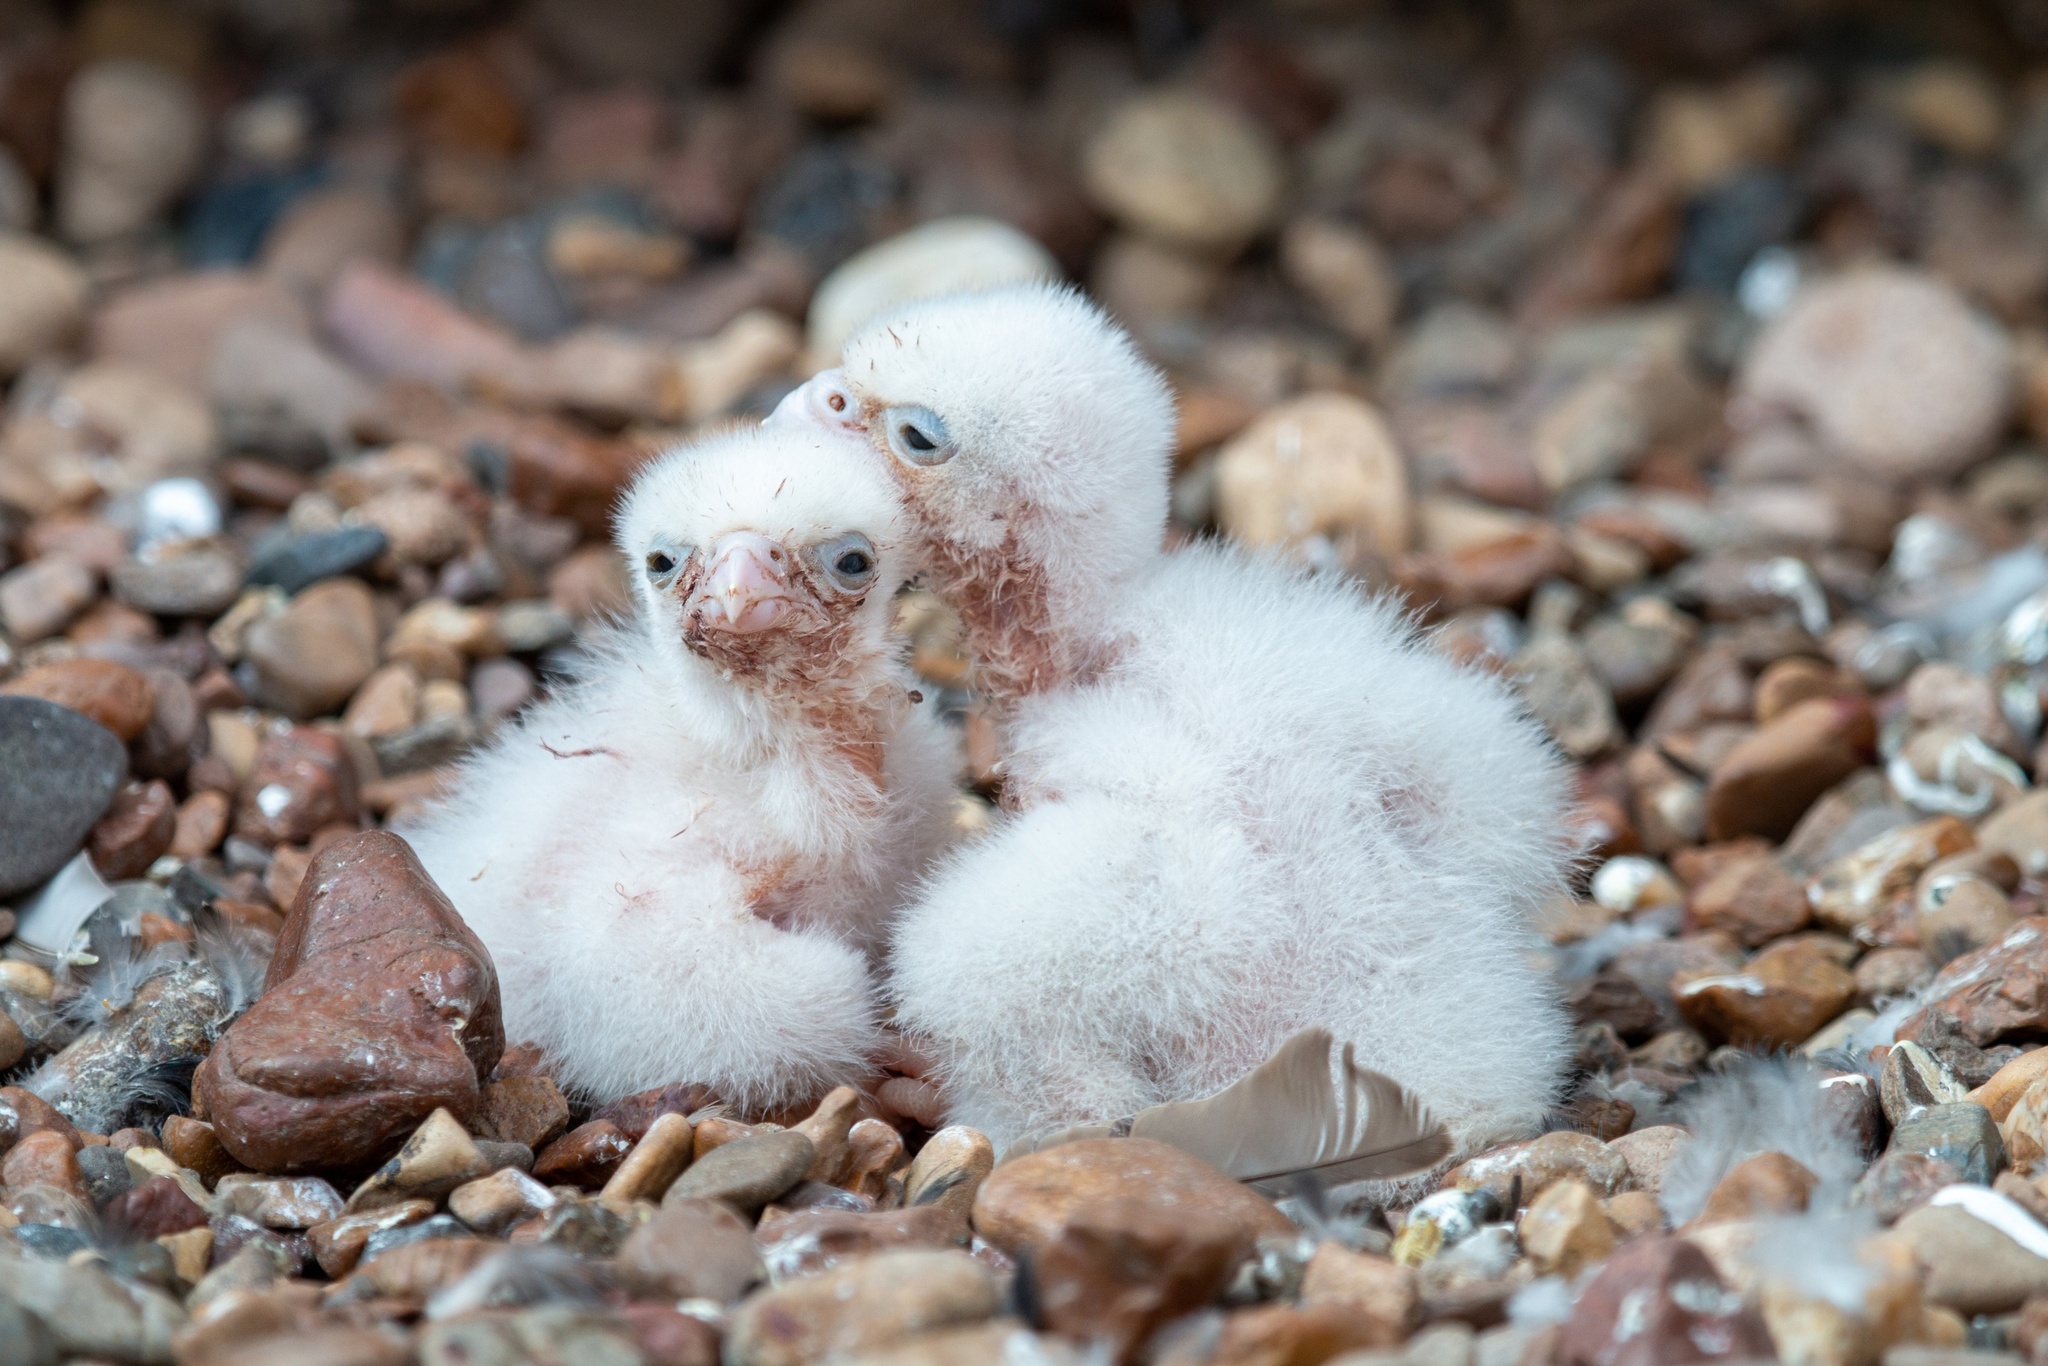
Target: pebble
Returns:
[1959, 1133]
[1914, 1079]
[373, 957]
[1025, 1202]
[1972, 1268]
[1660, 1299]
[944, 256]
[493, 1204]
[1999, 989]
[652, 1166]
[1540, 1163]
[1770, 1184]
[1891, 368]
[45, 1158]
[2012, 1081]
[338, 1243]
[1186, 169]
[1755, 900]
[1768, 780]
[861, 1306]
[174, 326]
[308, 659]
[1561, 689]
[691, 1249]
[42, 597]
[279, 1202]
[1346, 274]
[301, 780]
[1376, 1286]
[748, 1172]
[298, 562]
[1647, 1152]
[198, 579]
[528, 1110]
[586, 1156]
[158, 1207]
[114, 695]
[322, 231]
[44, 299]
[1779, 998]
[1120, 1270]
[1565, 1230]
[1320, 469]
[802, 1240]
[58, 772]
[193, 1144]
[949, 1169]
[284, 397]
[1860, 884]
[133, 136]
[90, 1314]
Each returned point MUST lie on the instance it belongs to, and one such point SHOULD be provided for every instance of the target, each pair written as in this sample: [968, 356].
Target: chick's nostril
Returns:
[837, 403]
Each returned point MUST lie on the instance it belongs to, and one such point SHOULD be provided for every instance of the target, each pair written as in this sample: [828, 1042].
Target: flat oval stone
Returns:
[302, 561]
[58, 771]
[748, 1172]
[1026, 1203]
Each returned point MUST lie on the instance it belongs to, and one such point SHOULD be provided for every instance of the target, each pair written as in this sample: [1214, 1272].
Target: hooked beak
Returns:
[746, 590]
[822, 402]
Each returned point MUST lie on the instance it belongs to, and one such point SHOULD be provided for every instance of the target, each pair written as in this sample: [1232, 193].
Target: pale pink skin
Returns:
[747, 589]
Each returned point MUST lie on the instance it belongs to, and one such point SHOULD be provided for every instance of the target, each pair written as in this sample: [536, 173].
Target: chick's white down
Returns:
[1247, 800]
[683, 864]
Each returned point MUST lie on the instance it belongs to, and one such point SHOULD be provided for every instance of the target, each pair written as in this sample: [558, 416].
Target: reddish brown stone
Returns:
[193, 1143]
[417, 1270]
[635, 1112]
[1777, 1000]
[1755, 900]
[202, 823]
[668, 1337]
[586, 1156]
[1026, 1203]
[529, 1110]
[1623, 252]
[693, 1249]
[24, 1112]
[1767, 781]
[2000, 989]
[135, 832]
[380, 1006]
[114, 695]
[1765, 1185]
[156, 1207]
[43, 1158]
[304, 776]
[1659, 1301]
[1120, 1269]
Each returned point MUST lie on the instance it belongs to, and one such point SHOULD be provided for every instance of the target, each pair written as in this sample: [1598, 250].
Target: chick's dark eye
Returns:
[917, 440]
[659, 562]
[853, 563]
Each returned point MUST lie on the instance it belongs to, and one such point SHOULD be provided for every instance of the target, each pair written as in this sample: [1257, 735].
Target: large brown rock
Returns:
[1028, 1202]
[1778, 1000]
[1659, 1300]
[379, 1008]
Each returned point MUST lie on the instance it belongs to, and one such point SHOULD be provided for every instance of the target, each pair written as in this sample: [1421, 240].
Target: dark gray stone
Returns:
[58, 771]
[300, 561]
[1962, 1134]
[52, 1240]
[106, 1174]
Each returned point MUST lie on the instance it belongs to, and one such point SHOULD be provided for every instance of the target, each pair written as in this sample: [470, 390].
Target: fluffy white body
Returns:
[684, 863]
[1244, 800]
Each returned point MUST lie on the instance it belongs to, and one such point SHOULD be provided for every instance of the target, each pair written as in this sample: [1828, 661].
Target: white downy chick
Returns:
[683, 863]
[1244, 800]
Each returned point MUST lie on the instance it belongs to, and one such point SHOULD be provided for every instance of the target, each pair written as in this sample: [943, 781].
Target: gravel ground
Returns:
[1684, 364]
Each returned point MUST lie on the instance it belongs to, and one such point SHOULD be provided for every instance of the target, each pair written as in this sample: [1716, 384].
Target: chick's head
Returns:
[1019, 422]
[771, 555]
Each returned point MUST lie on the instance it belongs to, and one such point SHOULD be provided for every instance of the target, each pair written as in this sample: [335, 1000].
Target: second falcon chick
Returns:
[1245, 801]
[683, 864]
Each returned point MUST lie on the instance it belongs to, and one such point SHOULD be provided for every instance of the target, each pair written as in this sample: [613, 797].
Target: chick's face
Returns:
[1018, 415]
[770, 559]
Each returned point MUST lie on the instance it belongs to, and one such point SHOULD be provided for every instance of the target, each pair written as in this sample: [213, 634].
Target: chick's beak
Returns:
[822, 402]
[747, 589]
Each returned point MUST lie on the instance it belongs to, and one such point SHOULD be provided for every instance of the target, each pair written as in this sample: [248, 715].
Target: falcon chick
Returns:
[1244, 800]
[684, 862]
